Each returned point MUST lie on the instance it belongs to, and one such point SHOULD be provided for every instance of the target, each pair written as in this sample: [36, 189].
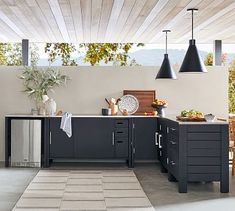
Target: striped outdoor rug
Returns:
[112, 190]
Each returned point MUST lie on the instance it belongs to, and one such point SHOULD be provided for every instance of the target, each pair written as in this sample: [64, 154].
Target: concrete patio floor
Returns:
[163, 194]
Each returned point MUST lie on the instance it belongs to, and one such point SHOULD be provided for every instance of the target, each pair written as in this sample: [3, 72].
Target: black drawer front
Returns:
[203, 177]
[121, 123]
[173, 162]
[121, 132]
[203, 161]
[121, 148]
[204, 144]
[173, 131]
[204, 169]
[203, 152]
[204, 128]
[204, 136]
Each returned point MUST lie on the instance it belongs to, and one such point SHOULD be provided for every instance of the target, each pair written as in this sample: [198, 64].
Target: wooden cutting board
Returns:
[145, 98]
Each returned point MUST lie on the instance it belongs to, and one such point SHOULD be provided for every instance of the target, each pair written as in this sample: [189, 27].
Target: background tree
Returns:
[231, 89]
[95, 53]
[61, 50]
[208, 61]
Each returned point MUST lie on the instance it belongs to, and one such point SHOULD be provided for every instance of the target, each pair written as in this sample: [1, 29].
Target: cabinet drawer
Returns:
[204, 128]
[203, 177]
[204, 136]
[120, 123]
[173, 131]
[121, 132]
[204, 144]
[121, 148]
[203, 152]
[203, 161]
[204, 169]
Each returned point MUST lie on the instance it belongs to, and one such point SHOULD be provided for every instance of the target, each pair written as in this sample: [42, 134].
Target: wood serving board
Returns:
[145, 98]
[189, 119]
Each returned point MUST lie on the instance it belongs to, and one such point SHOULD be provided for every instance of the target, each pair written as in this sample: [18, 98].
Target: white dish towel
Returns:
[66, 124]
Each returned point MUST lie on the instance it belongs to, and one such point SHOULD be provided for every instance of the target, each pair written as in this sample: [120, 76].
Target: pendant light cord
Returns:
[166, 42]
[192, 24]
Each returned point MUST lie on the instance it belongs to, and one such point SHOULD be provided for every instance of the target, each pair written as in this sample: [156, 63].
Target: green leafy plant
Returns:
[39, 82]
[95, 53]
[231, 89]
[208, 61]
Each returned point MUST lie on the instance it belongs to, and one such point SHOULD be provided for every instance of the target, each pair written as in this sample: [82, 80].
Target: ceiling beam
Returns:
[55, 8]
[176, 19]
[158, 7]
[208, 21]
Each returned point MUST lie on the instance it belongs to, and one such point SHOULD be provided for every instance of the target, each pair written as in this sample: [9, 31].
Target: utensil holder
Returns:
[114, 109]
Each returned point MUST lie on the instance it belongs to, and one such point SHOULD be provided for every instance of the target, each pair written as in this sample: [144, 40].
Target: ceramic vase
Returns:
[50, 107]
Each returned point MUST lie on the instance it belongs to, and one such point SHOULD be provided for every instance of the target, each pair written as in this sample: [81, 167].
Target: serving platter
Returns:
[190, 119]
[128, 103]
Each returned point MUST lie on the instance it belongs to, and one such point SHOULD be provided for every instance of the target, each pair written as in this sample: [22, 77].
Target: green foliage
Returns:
[208, 61]
[116, 53]
[10, 54]
[231, 93]
[62, 50]
[38, 82]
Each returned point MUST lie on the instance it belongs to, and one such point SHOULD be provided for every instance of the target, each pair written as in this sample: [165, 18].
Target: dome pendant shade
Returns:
[166, 71]
[192, 60]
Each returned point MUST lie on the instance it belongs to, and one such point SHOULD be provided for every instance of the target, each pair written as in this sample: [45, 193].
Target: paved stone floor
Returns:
[163, 195]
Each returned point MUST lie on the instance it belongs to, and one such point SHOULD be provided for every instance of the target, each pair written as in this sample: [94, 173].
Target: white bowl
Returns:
[209, 117]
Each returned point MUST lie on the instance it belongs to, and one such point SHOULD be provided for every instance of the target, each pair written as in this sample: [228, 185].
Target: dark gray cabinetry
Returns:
[197, 153]
[94, 138]
[144, 132]
[161, 143]
[61, 146]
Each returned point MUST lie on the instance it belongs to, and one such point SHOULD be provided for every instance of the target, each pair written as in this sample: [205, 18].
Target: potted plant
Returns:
[38, 82]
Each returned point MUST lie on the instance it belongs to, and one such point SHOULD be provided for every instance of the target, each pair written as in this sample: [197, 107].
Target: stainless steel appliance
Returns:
[26, 143]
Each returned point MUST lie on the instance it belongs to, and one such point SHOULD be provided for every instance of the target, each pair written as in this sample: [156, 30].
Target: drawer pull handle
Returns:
[119, 142]
[173, 142]
[173, 129]
[119, 131]
[159, 141]
[113, 138]
[172, 163]
[119, 123]
[156, 138]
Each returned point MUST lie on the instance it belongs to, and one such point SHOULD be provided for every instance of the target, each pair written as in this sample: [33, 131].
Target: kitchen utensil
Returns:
[107, 101]
[128, 102]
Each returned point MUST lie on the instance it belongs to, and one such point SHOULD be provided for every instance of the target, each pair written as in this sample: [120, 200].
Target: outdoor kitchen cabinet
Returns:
[61, 146]
[161, 143]
[197, 153]
[144, 136]
[92, 138]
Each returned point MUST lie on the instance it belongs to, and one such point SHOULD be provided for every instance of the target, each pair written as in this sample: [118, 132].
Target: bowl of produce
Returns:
[191, 115]
[209, 117]
[160, 106]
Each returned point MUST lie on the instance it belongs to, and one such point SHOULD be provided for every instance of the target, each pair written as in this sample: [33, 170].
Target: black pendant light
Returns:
[166, 71]
[192, 61]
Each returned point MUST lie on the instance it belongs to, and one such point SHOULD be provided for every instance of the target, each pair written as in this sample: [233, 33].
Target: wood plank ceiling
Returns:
[115, 20]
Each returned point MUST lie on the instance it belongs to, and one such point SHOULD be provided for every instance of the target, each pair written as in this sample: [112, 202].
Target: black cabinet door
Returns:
[61, 146]
[162, 142]
[144, 138]
[94, 138]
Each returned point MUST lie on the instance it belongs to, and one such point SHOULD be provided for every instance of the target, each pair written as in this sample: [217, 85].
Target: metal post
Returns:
[25, 52]
[217, 52]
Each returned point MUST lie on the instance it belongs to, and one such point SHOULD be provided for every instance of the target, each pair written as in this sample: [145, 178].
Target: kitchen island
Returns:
[187, 151]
